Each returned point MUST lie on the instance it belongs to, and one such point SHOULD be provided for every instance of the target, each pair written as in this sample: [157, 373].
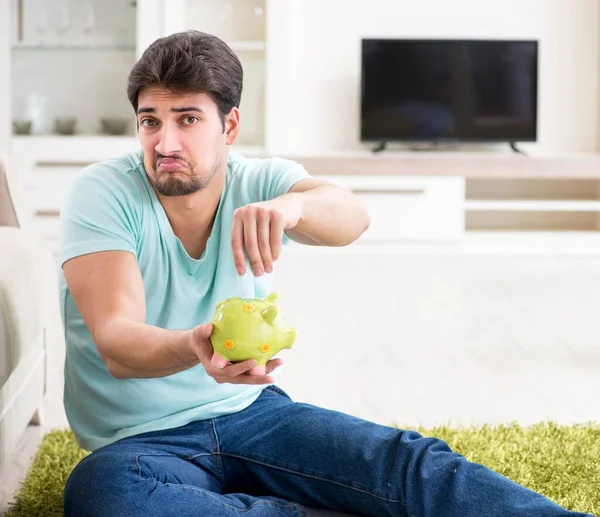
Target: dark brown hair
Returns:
[190, 62]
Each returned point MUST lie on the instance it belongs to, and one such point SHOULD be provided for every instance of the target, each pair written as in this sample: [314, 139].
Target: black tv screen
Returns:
[449, 90]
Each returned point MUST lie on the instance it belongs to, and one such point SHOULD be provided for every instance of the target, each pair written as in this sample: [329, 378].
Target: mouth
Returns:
[171, 165]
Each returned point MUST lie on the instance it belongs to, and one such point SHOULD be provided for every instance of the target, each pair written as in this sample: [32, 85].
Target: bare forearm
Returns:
[331, 216]
[137, 350]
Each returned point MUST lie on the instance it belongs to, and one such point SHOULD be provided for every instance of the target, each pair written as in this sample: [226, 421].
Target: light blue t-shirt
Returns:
[112, 206]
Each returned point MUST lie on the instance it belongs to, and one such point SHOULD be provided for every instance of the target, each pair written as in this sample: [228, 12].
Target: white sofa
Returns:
[29, 314]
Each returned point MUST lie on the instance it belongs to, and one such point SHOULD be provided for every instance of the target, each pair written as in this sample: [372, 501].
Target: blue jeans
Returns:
[284, 458]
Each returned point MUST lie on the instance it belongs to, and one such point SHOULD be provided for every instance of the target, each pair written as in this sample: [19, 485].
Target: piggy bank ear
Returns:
[270, 313]
[272, 297]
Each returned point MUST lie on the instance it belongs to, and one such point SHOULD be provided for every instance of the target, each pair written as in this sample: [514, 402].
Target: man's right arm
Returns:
[108, 290]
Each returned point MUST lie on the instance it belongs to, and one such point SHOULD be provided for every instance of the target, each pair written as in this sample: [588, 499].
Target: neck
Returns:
[195, 210]
[192, 216]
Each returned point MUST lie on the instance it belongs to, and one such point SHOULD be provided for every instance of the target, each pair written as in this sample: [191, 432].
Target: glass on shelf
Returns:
[74, 48]
[71, 126]
[70, 64]
[29, 113]
[75, 24]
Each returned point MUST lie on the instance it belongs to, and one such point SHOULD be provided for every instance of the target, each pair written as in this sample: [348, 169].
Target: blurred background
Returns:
[469, 128]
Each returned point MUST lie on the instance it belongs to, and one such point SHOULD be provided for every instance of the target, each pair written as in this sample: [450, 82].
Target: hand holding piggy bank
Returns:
[250, 329]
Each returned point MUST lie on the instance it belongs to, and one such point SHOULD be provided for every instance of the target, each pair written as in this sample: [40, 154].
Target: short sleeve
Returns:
[99, 213]
[279, 177]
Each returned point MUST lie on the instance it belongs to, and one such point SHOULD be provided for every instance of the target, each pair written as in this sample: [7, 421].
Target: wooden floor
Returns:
[428, 340]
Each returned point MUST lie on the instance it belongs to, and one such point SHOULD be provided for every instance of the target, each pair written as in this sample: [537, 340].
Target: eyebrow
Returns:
[175, 110]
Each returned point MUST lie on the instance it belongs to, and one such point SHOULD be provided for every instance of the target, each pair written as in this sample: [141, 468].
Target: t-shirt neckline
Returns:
[193, 265]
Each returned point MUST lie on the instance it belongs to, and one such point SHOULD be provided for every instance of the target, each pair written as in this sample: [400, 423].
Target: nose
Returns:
[169, 142]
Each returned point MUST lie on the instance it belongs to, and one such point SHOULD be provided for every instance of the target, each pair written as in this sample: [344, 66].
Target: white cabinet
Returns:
[409, 208]
[48, 164]
[70, 59]
[69, 64]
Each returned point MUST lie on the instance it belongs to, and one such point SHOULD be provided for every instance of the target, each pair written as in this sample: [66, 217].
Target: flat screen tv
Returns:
[448, 90]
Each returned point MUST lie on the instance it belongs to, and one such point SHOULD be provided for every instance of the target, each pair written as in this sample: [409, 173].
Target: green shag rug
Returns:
[561, 462]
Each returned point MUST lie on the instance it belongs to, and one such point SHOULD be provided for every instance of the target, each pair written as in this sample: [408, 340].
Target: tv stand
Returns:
[514, 147]
[382, 145]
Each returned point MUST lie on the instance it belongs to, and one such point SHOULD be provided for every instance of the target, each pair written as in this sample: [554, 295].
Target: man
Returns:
[150, 243]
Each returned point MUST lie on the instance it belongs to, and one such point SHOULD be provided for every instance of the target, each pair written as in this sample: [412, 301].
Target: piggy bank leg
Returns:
[218, 361]
[258, 370]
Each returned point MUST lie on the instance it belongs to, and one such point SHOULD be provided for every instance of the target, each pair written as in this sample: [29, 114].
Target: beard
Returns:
[173, 184]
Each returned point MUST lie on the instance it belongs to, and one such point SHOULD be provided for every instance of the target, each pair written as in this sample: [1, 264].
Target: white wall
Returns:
[5, 116]
[320, 46]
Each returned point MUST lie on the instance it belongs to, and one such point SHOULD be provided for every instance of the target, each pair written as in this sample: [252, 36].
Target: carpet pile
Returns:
[561, 462]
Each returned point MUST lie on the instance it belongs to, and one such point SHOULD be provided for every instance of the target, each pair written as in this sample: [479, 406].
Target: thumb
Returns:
[203, 331]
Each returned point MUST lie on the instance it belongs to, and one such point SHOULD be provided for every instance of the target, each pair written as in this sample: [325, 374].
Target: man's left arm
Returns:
[312, 212]
[330, 215]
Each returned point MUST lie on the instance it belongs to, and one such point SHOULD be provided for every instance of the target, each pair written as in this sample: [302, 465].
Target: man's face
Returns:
[183, 139]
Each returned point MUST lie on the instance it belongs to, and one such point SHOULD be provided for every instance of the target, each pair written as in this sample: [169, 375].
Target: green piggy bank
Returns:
[250, 329]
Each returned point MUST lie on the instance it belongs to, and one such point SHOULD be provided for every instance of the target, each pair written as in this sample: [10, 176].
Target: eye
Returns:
[189, 120]
[148, 122]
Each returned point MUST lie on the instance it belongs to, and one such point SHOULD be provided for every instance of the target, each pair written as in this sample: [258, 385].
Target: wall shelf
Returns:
[482, 166]
[241, 46]
[73, 48]
[482, 205]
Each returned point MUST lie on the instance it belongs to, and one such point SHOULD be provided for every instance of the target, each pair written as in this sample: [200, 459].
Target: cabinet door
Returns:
[409, 208]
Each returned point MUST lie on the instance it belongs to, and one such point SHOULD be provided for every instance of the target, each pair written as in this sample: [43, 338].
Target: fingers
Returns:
[264, 230]
[237, 242]
[253, 379]
[277, 228]
[238, 373]
[267, 368]
[223, 371]
[251, 243]
[257, 233]
[272, 364]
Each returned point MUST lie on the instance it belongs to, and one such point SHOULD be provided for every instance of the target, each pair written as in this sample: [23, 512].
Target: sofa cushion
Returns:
[5, 366]
[20, 296]
[8, 212]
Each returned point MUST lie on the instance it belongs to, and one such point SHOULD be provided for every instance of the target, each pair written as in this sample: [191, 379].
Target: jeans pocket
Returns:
[271, 388]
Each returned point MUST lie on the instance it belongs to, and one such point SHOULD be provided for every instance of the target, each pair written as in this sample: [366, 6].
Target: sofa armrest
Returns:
[21, 300]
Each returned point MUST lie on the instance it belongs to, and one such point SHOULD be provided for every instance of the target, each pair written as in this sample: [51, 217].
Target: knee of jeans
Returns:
[100, 485]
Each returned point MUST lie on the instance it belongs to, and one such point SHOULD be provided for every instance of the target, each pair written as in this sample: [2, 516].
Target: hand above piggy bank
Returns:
[250, 329]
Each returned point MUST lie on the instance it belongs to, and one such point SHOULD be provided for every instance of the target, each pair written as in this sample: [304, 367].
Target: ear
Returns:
[232, 126]
[270, 313]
